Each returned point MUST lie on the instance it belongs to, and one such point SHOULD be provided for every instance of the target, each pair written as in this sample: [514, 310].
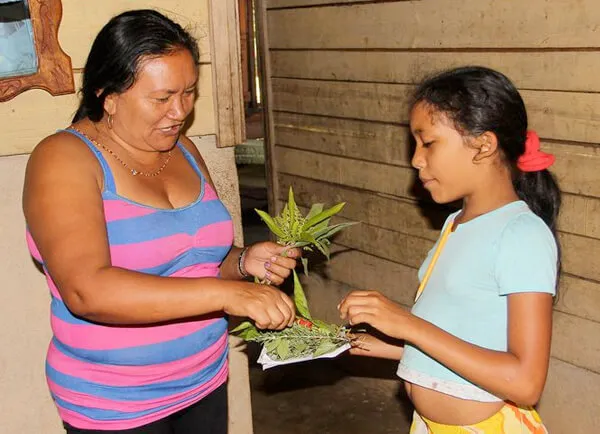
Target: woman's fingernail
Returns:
[267, 265]
[273, 258]
[268, 275]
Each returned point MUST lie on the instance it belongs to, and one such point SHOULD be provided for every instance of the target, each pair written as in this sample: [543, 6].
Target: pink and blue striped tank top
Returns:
[120, 377]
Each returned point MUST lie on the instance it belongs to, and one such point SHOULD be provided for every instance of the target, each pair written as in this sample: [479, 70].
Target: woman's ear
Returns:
[486, 145]
[110, 103]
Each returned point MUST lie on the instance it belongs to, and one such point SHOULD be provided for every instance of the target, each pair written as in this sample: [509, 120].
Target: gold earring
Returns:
[110, 122]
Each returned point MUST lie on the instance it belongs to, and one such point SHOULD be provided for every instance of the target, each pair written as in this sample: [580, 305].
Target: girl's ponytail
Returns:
[535, 184]
[540, 191]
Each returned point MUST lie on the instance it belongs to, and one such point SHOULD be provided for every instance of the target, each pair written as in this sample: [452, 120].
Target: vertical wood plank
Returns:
[227, 76]
[267, 101]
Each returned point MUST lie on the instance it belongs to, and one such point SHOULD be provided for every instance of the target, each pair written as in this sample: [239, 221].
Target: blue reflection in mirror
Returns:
[17, 47]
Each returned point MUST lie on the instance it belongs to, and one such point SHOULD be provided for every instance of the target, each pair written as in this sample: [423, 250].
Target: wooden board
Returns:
[567, 116]
[364, 140]
[575, 340]
[227, 72]
[344, 171]
[80, 25]
[263, 44]
[578, 213]
[570, 402]
[271, 4]
[579, 297]
[576, 167]
[33, 115]
[433, 24]
[545, 70]
[579, 255]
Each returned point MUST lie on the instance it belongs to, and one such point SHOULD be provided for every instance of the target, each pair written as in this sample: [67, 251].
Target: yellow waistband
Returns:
[509, 420]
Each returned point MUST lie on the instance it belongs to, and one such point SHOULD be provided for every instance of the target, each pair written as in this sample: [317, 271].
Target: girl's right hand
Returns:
[364, 344]
[266, 305]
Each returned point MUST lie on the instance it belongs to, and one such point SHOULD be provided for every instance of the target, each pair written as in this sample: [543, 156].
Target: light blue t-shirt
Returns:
[506, 251]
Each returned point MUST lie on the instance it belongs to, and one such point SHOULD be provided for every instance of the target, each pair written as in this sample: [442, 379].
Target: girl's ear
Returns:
[486, 145]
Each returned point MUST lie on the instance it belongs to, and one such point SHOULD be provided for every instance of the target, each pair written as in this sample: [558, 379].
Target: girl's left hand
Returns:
[270, 261]
[373, 308]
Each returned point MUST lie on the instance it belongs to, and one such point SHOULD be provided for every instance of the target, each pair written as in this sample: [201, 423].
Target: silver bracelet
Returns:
[241, 268]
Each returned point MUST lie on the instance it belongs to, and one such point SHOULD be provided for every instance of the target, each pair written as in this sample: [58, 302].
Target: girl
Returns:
[477, 341]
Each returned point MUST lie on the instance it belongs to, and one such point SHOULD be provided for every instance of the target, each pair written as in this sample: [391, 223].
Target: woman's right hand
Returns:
[266, 305]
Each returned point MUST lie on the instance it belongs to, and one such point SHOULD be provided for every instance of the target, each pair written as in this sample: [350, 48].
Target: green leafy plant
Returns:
[307, 232]
[307, 336]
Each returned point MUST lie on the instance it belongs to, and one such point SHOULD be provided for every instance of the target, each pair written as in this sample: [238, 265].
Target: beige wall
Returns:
[341, 73]
[25, 404]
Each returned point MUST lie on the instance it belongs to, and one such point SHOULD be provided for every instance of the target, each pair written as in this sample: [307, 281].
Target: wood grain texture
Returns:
[541, 70]
[569, 116]
[54, 74]
[227, 73]
[432, 24]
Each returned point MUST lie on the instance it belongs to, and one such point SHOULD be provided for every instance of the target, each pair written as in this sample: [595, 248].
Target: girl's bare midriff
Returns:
[448, 410]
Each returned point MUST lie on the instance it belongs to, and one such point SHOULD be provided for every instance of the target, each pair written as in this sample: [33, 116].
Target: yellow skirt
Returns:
[509, 420]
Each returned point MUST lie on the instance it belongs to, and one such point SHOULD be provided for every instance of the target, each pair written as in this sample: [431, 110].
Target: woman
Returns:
[136, 246]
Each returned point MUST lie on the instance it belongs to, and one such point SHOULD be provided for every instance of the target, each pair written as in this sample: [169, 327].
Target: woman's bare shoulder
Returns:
[64, 155]
[191, 147]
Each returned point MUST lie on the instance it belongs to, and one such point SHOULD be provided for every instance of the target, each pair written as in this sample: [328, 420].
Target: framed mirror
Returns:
[30, 55]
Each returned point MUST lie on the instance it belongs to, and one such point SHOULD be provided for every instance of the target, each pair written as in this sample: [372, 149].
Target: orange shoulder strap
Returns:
[434, 259]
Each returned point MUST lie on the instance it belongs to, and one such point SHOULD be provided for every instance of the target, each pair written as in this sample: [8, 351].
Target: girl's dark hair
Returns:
[478, 99]
[118, 50]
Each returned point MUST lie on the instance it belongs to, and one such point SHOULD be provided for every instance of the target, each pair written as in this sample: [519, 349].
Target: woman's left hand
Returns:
[270, 261]
[373, 308]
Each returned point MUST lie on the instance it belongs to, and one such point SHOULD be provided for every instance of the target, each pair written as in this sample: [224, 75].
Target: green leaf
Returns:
[317, 208]
[273, 227]
[324, 326]
[325, 347]
[301, 244]
[328, 232]
[308, 238]
[250, 334]
[322, 248]
[300, 298]
[243, 326]
[319, 227]
[272, 345]
[293, 210]
[299, 348]
[323, 215]
[291, 204]
[304, 265]
[283, 349]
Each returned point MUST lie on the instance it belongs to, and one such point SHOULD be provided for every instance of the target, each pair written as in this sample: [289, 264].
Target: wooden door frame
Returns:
[267, 104]
[227, 74]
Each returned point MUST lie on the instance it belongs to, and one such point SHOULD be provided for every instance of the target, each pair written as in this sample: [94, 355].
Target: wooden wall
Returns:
[25, 404]
[340, 73]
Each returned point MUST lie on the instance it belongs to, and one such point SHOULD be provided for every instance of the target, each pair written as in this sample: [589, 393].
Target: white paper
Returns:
[268, 362]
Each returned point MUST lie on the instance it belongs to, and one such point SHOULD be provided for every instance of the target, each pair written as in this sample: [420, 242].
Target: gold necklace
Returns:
[131, 170]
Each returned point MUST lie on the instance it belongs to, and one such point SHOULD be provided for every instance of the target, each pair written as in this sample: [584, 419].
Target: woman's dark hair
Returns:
[118, 50]
[478, 99]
